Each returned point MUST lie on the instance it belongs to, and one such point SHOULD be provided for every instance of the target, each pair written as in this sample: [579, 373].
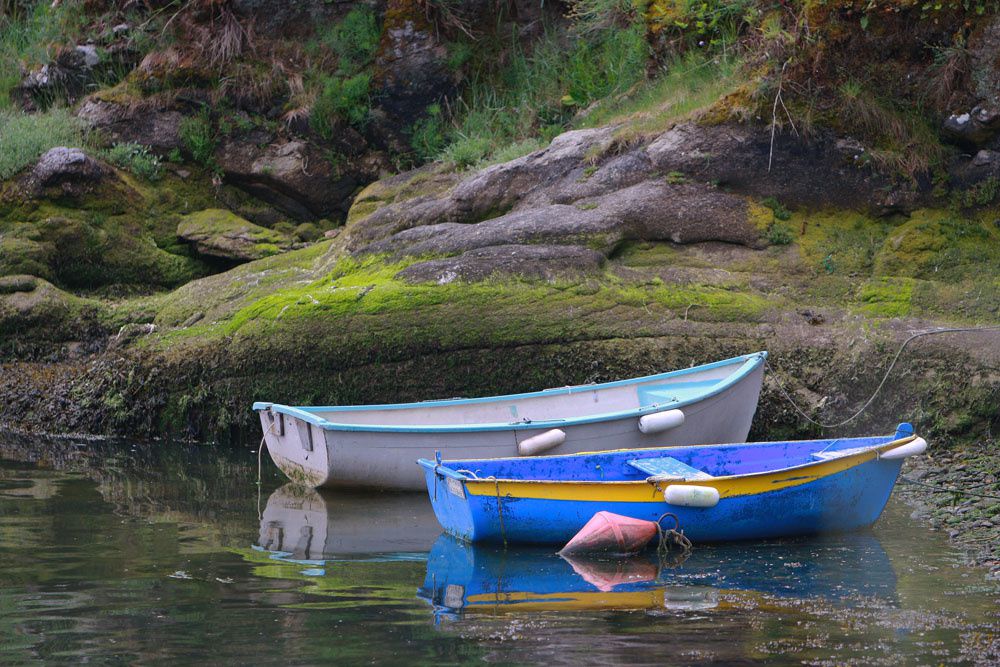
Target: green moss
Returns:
[943, 246]
[839, 242]
[33, 310]
[217, 297]
[887, 297]
[501, 312]
[216, 227]
[433, 179]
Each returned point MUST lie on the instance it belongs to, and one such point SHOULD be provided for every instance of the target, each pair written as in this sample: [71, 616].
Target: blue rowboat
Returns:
[375, 445]
[467, 578]
[717, 492]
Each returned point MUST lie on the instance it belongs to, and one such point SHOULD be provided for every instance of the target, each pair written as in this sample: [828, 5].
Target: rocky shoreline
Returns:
[957, 491]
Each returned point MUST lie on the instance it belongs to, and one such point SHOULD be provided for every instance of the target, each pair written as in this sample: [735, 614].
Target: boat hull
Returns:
[843, 501]
[325, 455]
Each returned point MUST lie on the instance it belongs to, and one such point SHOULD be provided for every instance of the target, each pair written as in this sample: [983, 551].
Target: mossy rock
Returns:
[221, 234]
[942, 246]
[89, 252]
[32, 309]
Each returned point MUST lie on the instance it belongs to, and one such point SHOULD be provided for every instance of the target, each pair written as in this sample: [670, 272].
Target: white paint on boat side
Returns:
[542, 442]
[689, 495]
[918, 446]
[388, 459]
[659, 422]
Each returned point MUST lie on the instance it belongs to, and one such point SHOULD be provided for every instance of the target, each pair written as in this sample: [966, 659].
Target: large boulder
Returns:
[220, 234]
[159, 128]
[648, 211]
[293, 176]
[66, 172]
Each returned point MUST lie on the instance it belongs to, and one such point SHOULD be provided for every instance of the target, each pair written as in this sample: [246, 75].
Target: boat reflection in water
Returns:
[306, 525]
[463, 578]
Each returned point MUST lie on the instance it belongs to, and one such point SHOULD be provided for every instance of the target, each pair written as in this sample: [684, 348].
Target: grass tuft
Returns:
[24, 137]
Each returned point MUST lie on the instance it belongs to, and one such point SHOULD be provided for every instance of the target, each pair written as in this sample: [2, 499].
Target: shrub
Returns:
[24, 137]
[199, 138]
[780, 212]
[427, 135]
[700, 22]
[467, 151]
[137, 159]
[778, 234]
[346, 99]
[355, 39]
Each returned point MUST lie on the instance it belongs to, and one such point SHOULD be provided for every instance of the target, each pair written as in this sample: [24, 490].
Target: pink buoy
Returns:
[612, 533]
[606, 575]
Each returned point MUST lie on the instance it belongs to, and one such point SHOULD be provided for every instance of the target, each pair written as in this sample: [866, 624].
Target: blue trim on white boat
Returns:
[750, 363]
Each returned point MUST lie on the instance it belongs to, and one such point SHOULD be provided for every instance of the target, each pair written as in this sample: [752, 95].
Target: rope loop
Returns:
[671, 537]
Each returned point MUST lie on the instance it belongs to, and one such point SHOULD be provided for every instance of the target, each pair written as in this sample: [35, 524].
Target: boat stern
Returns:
[450, 500]
[296, 443]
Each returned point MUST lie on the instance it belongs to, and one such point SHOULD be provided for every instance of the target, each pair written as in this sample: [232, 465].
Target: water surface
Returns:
[117, 553]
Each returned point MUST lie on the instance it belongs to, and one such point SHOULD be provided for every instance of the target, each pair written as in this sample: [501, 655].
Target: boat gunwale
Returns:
[852, 460]
[749, 363]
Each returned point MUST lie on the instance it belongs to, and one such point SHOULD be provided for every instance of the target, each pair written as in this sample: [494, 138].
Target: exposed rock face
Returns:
[737, 157]
[545, 262]
[65, 171]
[975, 128]
[293, 176]
[649, 211]
[686, 185]
[494, 189]
[411, 68]
[220, 234]
[157, 128]
[976, 123]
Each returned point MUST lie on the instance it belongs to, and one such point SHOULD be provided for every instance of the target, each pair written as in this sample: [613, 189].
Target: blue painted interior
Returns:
[714, 460]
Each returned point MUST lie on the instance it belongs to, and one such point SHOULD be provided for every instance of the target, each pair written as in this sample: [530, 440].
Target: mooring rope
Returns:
[881, 384]
[671, 536]
[503, 531]
[260, 465]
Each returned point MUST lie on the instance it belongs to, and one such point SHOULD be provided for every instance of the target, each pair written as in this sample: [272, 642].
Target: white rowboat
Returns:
[377, 445]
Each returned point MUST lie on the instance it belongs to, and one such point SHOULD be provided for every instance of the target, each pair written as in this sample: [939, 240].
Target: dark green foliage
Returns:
[459, 53]
[778, 234]
[199, 138]
[780, 212]
[354, 40]
[137, 159]
[344, 99]
[532, 96]
[981, 194]
[427, 135]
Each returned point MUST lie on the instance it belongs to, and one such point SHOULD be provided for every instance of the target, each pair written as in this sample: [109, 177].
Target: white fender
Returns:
[918, 446]
[660, 421]
[542, 442]
[689, 495]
